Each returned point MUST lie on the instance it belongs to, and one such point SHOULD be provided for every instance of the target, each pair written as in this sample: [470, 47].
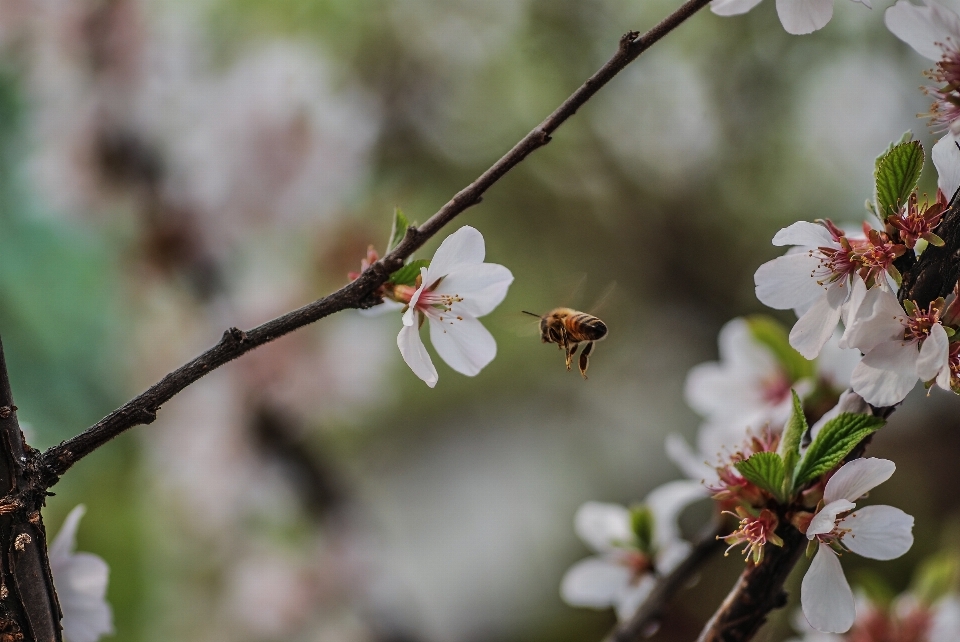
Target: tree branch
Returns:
[637, 627]
[359, 293]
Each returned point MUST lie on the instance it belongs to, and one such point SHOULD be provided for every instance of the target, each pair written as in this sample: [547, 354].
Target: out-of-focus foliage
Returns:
[170, 169]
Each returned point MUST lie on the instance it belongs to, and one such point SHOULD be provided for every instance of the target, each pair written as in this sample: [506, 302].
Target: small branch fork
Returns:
[361, 292]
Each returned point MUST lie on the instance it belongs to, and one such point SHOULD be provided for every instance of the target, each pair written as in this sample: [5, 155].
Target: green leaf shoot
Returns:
[836, 439]
[790, 442]
[764, 470]
[641, 521]
[398, 230]
[897, 174]
[407, 275]
[774, 336]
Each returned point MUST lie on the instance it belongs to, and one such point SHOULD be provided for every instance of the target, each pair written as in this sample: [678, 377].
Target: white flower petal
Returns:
[482, 287]
[742, 354]
[595, 582]
[671, 556]
[463, 247]
[804, 16]
[603, 526]
[923, 27]
[826, 518]
[732, 7]
[934, 354]
[410, 316]
[887, 373]
[818, 324]
[690, 463]
[463, 343]
[836, 364]
[851, 309]
[825, 595]
[858, 477]
[666, 502]
[415, 354]
[878, 532]
[943, 378]
[81, 583]
[877, 319]
[945, 626]
[786, 282]
[382, 309]
[805, 234]
[634, 596]
[946, 158]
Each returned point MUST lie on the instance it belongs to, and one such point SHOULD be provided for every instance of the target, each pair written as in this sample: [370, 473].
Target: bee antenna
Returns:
[532, 314]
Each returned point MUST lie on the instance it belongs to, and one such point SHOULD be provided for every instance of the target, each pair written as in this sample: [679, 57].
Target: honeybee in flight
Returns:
[569, 328]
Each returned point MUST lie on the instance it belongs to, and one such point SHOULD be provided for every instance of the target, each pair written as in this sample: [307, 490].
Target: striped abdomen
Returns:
[581, 326]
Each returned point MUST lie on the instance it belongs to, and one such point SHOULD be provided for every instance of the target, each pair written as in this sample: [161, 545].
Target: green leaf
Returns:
[641, 521]
[399, 229]
[407, 275]
[897, 174]
[836, 439]
[790, 441]
[906, 138]
[764, 470]
[774, 336]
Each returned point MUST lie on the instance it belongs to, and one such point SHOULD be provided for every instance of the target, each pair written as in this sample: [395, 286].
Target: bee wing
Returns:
[525, 325]
[603, 298]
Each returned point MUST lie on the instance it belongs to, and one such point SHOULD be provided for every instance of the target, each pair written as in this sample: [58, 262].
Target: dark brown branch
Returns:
[29, 609]
[362, 292]
[637, 627]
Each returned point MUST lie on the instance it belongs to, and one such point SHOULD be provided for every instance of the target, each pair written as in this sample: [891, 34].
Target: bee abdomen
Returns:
[586, 327]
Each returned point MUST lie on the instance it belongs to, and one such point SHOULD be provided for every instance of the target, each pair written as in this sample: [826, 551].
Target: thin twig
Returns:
[362, 292]
[649, 613]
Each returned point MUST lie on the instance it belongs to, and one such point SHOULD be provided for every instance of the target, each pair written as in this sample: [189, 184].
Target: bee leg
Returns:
[571, 350]
[585, 358]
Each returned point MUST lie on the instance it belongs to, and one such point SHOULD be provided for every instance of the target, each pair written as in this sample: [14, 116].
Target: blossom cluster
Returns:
[831, 276]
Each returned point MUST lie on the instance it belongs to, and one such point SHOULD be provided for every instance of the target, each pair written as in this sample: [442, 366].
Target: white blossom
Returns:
[899, 348]
[876, 532]
[454, 290]
[622, 574]
[797, 16]
[81, 583]
[817, 279]
[934, 32]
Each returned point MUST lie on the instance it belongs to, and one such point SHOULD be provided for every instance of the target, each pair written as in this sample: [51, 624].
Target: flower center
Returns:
[918, 324]
[638, 562]
[875, 255]
[945, 111]
[753, 532]
[775, 388]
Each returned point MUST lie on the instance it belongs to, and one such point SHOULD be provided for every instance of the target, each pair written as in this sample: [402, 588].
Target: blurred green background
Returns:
[169, 169]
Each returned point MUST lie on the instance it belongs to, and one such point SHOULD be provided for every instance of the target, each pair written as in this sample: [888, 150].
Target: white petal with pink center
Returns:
[81, 583]
[815, 279]
[899, 349]
[876, 532]
[622, 575]
[455, 289]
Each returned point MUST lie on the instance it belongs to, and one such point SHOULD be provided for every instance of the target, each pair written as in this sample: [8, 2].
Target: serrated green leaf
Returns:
[905, 138]
[774, 336]
[836, 439]
[641, 521]
[398, 230]
[790, 441]
[897, 174]
[407, 275]
[764, 470]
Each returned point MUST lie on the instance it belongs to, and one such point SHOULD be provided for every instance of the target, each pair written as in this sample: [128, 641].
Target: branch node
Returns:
[148, 415]
[629, 39]
[234, 335]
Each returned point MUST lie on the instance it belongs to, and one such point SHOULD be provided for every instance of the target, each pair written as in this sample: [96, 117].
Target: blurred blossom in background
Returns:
[170, 169]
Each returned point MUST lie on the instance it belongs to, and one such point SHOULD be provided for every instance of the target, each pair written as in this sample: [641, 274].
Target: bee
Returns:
[569, 328]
